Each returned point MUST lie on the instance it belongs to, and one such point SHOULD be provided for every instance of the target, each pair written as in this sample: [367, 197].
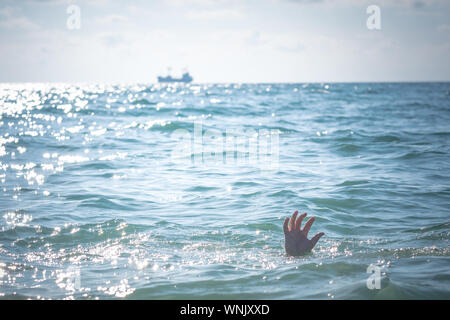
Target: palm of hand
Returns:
[296, 240]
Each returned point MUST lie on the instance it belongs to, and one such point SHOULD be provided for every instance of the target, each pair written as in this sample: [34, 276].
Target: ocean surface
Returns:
[180, 191]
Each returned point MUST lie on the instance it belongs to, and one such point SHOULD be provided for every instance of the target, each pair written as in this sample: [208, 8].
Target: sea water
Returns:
[141, 191]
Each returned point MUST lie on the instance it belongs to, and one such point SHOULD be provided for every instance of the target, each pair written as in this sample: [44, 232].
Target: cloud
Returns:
[255, 39]
[293, 47]
[214, 14]
[443, 28]
[6, 12]
[112, 39]
[68, 2]
[277, 41]
[11, 20]
[306, 1]
[21, 23]
[201, 3]
[112, 19]
[417, 4]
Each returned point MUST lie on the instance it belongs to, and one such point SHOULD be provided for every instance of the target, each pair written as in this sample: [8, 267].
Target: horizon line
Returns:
[225, 82]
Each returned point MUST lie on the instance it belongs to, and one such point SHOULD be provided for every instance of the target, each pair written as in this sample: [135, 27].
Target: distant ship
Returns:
[186, 78]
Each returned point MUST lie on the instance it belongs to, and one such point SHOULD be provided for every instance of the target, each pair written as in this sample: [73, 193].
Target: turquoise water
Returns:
[95, 203]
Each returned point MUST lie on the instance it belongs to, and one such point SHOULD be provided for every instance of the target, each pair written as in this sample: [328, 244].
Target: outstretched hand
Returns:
[296, 240]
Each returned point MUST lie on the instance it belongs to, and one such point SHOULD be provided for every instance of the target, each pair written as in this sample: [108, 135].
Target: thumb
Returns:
[316, 238]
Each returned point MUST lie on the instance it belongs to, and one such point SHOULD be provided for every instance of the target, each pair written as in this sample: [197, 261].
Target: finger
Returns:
[285, 226]
[298, 224]
[316, 238]
[292, 222]
[308, 226]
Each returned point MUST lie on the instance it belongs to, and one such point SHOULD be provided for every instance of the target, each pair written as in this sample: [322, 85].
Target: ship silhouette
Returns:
[185, 78]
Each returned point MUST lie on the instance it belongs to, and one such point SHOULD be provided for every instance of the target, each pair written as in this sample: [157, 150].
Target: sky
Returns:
[224, 40]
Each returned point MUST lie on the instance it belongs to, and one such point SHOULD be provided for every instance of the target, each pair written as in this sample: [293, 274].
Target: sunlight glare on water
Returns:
[95, 205]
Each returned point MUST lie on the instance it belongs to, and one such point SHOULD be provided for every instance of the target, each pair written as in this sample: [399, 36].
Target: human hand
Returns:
[296, 240]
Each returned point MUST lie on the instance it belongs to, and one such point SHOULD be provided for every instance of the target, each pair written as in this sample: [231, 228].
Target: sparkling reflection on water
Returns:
[93, 204]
